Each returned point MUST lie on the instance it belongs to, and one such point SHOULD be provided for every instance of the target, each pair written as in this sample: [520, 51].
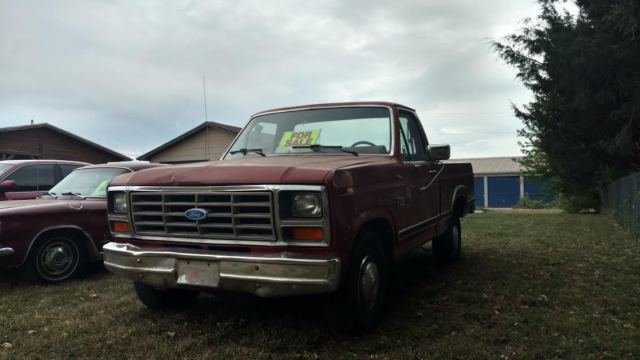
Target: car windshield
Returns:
[87, 182]
[4, 167]
[344, 131]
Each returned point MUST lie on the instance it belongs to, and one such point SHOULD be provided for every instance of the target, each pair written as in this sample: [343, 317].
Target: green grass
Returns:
[529, 286]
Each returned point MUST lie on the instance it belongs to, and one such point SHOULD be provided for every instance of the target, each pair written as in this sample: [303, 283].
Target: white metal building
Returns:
[502, 181]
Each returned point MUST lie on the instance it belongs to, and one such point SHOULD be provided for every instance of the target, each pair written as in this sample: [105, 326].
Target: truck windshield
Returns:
[87, 182]
[345, 131]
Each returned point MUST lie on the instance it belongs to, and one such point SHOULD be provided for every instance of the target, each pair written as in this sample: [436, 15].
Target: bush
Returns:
[583, 203]
[529, 203]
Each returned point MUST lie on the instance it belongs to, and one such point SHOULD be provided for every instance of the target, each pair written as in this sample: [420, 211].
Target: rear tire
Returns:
[157, 299]
[359, 305]
[55, 259]
[447, 248]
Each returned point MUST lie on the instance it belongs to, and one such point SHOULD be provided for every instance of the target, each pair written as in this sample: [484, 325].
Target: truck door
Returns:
[422, 175]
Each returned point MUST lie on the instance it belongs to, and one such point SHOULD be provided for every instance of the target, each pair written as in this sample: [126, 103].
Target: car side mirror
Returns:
[7, 185]
[439, 152]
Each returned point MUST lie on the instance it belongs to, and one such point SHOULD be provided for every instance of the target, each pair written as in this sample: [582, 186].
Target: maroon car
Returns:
[52, 237]
[29, 179]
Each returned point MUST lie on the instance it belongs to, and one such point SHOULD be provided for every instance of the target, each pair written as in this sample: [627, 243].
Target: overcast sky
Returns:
[128, 74]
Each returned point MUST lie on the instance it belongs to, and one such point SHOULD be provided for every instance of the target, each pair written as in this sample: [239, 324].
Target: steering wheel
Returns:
[368, 143]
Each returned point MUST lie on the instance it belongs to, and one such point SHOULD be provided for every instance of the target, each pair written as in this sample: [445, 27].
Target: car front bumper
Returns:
[6, 251]
[273, 275]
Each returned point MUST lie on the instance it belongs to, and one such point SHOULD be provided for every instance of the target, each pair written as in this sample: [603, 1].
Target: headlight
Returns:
[119, 203]
[307, 205]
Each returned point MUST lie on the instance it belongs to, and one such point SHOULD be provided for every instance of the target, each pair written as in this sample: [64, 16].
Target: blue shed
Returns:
[500, 182]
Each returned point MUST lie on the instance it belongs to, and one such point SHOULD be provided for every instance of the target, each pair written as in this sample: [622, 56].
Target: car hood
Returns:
[39, 204]
[24, 203]
[290, 169]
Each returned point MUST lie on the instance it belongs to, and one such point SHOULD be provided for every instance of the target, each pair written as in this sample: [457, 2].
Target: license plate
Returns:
[198, 273]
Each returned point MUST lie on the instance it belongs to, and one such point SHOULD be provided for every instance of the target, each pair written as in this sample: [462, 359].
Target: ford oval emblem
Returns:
[195, 214]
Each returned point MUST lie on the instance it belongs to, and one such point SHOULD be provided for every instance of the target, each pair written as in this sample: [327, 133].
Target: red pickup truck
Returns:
[307, 200]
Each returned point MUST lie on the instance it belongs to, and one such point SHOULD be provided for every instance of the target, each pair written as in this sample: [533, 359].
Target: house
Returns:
[208, 141]
[45, 141]
[500, 182]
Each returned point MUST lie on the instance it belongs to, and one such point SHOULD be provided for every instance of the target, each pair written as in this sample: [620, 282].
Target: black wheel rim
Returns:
[57, 259]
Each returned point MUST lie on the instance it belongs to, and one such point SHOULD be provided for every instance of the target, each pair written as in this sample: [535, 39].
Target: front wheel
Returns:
[54, 259]
[157, 299]
[447, 247]
[359, 305]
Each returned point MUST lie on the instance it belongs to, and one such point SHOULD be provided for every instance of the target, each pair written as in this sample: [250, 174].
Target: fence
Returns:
[622, 199]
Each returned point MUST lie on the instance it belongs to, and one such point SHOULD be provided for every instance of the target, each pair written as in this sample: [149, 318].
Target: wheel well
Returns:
[383, 228]
[78, 235]
[459, 205]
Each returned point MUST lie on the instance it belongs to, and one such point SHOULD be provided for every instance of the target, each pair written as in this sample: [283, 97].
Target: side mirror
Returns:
[439, 152]
[7, 185]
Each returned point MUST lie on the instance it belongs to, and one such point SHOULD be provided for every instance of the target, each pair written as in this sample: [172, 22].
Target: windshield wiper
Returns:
[52, 194]
[245, 151]
[319, 148]
[74, 194]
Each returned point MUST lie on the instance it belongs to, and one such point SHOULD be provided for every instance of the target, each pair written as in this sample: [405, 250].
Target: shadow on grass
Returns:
[416, 285]
[15, 279]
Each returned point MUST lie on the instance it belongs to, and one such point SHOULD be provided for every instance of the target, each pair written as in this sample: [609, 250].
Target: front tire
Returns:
[157, 299]
[359, 305]
[55, 259]
[447, 248]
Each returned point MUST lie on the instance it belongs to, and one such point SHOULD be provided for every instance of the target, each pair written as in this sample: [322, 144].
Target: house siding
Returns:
[201, 146]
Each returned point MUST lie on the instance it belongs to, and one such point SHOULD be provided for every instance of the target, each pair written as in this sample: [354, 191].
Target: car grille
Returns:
[230, 215]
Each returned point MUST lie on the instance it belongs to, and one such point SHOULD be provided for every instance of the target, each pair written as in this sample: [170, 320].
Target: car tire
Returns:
[447, 248]
[161, 299]
[55, 259]
[359, 305]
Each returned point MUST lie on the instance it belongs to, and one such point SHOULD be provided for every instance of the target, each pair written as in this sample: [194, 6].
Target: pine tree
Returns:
[582, 128]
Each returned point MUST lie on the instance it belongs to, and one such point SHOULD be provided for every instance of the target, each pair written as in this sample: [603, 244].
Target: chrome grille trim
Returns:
[279, 223]
[231, 214]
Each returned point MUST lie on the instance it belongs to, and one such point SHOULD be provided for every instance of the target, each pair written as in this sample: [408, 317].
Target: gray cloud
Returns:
[129, 74]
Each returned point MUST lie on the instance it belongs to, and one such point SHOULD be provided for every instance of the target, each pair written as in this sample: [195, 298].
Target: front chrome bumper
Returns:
[277, 275]
[5, 251]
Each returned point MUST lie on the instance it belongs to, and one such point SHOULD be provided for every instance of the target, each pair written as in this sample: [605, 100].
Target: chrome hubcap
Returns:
[369, 283]
[57, 258]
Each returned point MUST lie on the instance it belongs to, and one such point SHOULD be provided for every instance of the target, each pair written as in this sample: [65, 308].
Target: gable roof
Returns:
[65, 133]
[229, 128]
[493, 165]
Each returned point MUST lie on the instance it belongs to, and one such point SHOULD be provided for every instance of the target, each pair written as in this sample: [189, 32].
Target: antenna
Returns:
[204, 92]
[206, 119]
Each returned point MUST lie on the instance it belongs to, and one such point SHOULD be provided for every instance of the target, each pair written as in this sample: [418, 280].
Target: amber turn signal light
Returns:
[308, 234]
[119, 226]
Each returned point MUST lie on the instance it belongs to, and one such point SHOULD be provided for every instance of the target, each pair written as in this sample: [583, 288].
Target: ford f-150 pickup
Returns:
[307, 200]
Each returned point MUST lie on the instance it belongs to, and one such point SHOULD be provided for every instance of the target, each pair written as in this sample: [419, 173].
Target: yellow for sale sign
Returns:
[298, 138]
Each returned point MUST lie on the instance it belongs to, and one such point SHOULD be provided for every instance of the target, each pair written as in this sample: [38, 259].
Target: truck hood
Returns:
[292, 169]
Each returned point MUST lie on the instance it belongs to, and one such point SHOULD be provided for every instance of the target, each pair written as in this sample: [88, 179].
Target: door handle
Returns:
[433, 171]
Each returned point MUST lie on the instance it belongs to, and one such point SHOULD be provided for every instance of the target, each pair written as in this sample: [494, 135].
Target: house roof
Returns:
[65, 133]
[493, 165]
[232, 129]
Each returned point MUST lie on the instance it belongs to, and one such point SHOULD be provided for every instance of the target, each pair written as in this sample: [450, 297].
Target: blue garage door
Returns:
[504, 191]
[478, 188]
[535, 188]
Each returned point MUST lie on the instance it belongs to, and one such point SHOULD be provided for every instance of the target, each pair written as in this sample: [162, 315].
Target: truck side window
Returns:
[34, 178]
[412, 148]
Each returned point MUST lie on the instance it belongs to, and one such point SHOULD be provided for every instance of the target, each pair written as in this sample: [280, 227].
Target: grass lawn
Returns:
[529, 286]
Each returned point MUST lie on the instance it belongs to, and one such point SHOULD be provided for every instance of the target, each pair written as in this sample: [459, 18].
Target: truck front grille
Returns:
[230, 215]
